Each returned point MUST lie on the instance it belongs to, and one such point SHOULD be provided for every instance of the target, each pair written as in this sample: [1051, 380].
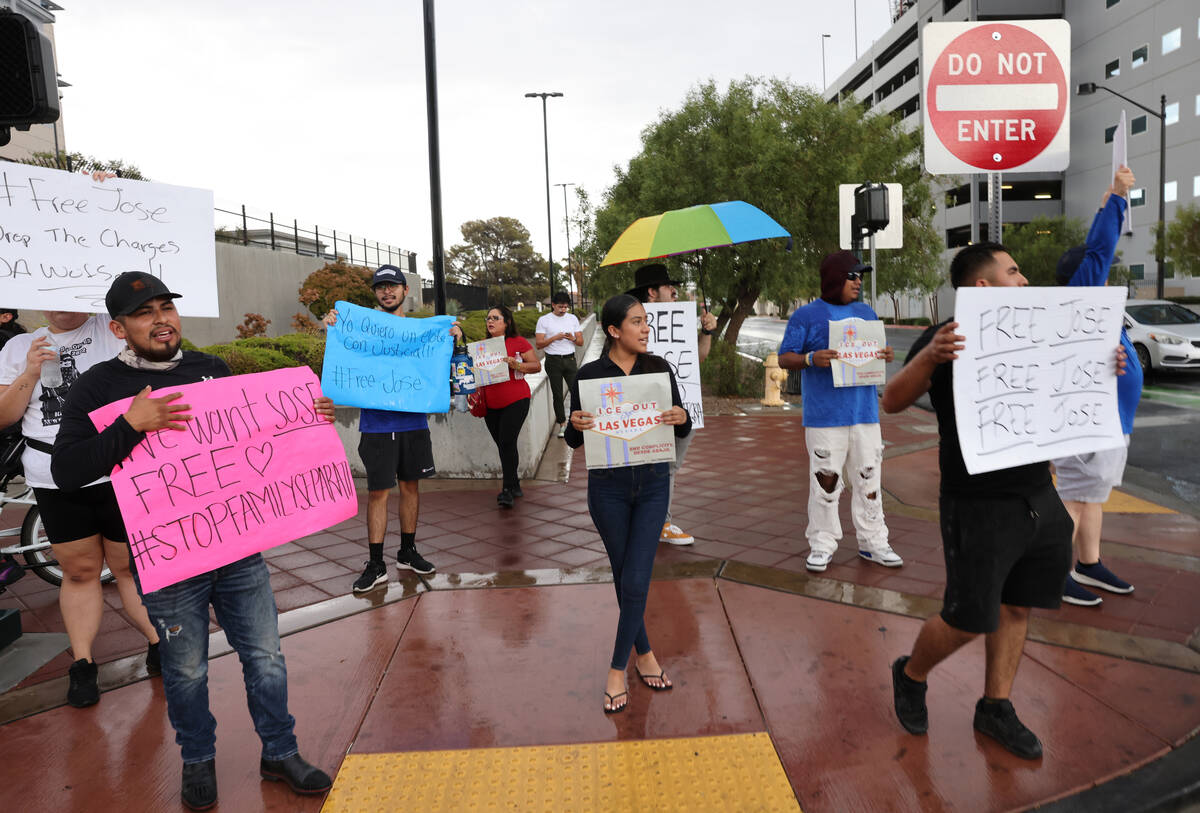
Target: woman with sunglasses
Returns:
[508, 402]
[841, 424]
[628, 504]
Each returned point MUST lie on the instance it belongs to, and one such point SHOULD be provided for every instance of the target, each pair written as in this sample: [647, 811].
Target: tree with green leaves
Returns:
[1038, 245]
[78, 162]
[497, 253]
[782, 148]
[1183, 241]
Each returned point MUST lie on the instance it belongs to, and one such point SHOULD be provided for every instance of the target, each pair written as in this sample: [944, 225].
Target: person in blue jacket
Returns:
[1085, 481]
[841, 424]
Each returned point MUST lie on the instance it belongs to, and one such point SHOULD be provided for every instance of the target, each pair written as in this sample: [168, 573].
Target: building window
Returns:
[949, 4]
[1172, 113]
[1139, 57]
[1110, 3]
[1137, 271]
[1112, 69]
[1170, 191]
[1137, 197]
[1171, 40]
[1198, 104]
[1108, 134]
[1196, 186]
[1137, 125]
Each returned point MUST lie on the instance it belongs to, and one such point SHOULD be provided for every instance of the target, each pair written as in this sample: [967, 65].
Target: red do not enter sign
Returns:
[996, 99]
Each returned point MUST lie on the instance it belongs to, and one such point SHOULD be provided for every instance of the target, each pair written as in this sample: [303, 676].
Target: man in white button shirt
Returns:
[558, 333]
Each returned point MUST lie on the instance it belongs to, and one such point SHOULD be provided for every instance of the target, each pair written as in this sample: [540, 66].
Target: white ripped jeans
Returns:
[834, 453]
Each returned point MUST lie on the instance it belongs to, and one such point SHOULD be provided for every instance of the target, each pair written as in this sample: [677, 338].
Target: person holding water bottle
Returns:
[37, 370]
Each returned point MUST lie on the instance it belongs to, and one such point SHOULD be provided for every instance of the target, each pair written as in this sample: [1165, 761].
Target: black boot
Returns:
[298, 774]
[199, 790]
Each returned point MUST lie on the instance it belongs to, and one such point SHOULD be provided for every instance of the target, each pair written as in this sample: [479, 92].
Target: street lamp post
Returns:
[1087, 89]
[824, 83]
[567, 229]
[546, 144]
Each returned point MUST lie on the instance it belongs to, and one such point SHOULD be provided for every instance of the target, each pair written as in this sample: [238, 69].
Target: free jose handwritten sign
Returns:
[378, 360]
[64, 237]
[1037, 378]
[673, 336]
[256, 468]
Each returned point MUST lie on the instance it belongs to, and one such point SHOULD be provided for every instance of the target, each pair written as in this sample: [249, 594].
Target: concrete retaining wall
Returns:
[462, 447]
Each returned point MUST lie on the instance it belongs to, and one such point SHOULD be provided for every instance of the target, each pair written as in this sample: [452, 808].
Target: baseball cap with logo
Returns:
[389, 275]
[132, 289]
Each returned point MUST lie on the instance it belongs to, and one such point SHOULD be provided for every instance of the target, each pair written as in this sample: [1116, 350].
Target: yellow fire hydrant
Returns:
[773, 385]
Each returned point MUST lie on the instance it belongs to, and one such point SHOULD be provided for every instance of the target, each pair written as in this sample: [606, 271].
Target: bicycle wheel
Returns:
[41, 558]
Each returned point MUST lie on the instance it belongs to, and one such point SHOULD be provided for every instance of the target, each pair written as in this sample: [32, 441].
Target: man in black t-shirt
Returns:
[143, 314]
[1006, 536]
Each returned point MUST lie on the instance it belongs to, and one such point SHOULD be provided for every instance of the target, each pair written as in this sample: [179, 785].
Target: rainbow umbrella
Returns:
[692, 229]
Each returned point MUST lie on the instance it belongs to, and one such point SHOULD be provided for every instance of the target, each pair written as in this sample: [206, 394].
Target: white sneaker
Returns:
[818, 560]
[674, 535]
[882, 556]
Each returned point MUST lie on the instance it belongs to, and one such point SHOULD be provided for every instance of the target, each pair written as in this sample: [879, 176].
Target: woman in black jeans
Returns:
[508, 401]
[628, 504]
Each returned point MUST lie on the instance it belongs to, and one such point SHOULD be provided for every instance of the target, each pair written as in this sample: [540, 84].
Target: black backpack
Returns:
[12, 444]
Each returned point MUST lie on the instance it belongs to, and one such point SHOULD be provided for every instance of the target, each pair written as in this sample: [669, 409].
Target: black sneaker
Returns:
[516, 491]
[199, 790]
[1098, 575]
[153, 661]
[908, 695]
[998, 720]
[300, 776]
[83, 691]
[505, 499]
[1075, 593]
[409, 559]
[375, 573]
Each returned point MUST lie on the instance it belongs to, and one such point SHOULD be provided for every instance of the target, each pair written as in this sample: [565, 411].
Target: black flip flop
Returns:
[612, 699]
[662, 676]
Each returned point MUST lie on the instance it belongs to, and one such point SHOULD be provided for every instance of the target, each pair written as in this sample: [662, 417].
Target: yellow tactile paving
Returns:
[1121, 503]
[737, 772]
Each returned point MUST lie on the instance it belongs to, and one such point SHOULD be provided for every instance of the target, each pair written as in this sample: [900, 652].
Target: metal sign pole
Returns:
[874, 273]
[995, 214]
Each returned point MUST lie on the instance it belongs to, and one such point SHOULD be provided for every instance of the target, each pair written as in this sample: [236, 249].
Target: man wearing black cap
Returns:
[841, 423]
[143, 315]
[1084, 482]
[652, 283]
[394, 447]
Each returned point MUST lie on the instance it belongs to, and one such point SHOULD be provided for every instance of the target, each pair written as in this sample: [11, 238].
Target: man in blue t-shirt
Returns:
[841, 423]
[395, 446]
[1085, 481]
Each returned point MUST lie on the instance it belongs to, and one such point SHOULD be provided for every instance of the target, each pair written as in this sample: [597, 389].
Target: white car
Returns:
[1164, 334]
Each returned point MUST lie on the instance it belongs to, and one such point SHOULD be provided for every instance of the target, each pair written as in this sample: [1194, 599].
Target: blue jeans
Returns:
[628, 506]
[240, 594]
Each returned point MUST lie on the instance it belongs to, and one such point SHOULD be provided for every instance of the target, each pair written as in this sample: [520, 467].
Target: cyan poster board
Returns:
[381, 361]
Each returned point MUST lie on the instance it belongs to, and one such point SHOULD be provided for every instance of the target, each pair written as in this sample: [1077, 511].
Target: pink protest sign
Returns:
[256, 468]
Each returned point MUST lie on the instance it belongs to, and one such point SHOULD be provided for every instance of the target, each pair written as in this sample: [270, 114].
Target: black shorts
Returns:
[388, 456]
[1005, 550]
[71, 515]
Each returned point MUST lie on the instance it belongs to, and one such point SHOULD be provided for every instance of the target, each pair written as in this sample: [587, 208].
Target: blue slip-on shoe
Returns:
[1098, 575]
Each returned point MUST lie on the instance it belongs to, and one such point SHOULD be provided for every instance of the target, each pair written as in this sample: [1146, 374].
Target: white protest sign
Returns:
[1037, 378]
[673, 336]
[627, 414]
[1120, 158]
[64, 237]
[488, 359]
[857, 342]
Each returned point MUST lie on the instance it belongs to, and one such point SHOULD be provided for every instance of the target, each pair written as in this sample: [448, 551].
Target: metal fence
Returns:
[277, 234]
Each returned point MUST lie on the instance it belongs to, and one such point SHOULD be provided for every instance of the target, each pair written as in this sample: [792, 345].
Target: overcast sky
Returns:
[316, 110]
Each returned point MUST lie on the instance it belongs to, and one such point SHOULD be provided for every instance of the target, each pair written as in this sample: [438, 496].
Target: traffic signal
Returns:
[28, 82]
